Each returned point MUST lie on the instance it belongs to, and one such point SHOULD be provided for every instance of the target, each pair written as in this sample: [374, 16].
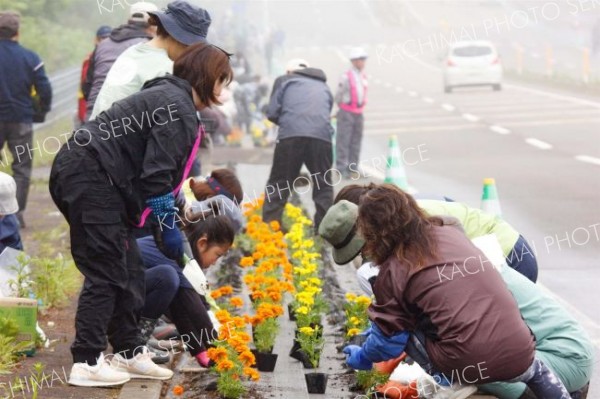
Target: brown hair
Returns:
[352, 193]
[392, 223]
[226, 178]
[160, 29]
[203, 65]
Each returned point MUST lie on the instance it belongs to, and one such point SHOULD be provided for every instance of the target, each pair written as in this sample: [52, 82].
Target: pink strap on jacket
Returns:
[186, 172]
[353, 106]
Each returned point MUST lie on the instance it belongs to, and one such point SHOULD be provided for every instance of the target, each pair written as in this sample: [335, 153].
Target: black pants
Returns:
[105, 252]
[289, 156]
[189, 313]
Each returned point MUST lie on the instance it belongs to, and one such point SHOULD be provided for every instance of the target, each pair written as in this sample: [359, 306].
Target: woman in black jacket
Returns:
[112, 174]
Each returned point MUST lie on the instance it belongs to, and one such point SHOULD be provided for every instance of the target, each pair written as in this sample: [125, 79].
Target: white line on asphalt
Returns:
[413, 93]
[552, 122]
[499, 129]
[448, 107]
[342, 57]
[410, 119]
[471, 117]
[542, 145]
[588, 159]
[399, 89]
[415, 129]
[387, 85]
[377, 81]
[428, 100]
[369, 12]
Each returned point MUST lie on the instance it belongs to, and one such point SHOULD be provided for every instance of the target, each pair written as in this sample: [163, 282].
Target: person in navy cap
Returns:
[177, 27]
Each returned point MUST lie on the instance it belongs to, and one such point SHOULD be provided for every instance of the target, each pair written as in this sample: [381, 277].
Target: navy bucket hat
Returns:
[183, 22]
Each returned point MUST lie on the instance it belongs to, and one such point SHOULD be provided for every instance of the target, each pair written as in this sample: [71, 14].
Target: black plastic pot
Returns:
[291, 313]
[265, 361]
[316, 382]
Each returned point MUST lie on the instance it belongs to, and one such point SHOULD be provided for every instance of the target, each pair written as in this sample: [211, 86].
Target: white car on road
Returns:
[472, 63]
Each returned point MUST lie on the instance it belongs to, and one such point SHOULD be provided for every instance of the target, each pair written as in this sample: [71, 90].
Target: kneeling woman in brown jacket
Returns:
[434, 283]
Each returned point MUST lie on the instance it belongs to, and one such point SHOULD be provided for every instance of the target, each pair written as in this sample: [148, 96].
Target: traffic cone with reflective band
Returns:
[489, 200]
[394, 173]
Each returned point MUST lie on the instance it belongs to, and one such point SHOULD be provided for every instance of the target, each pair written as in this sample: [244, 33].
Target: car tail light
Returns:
[450, 63]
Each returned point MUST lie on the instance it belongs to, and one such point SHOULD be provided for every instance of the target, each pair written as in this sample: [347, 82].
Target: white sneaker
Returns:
[100, 375]
[141, 366]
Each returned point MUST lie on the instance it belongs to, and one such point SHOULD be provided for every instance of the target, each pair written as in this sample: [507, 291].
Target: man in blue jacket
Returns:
[21, 70]
[301, 105]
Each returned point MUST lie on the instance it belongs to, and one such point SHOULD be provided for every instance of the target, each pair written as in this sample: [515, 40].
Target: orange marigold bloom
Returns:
[257, 295]
[224, 365]
[275, 296]
[246, 261]
[247, 358]
[251, 373]
[223, 316]
[257, 255]
[177, 390]
[216, 294]
[275, 225]
[226, 290]
[217, 354]
[236, 301]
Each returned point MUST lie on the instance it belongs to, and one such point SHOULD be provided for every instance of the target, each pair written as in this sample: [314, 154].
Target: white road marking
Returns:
[387, 85]
[413, 93]
[428, 100]
[448, 107]
[399, 89]
[588, 159]
[409, 119]
[471, 117]
[415, 129]
[499, 129]
[542, 145]
[551, 122]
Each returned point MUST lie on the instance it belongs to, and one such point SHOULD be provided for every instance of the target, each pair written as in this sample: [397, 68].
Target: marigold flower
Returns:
[350, 296]
[224, 365]
[178, 390]
[246, 261]
[251, 373]
[247, 358]
[302, 310]
[353, 331]
[307, 330]
[217, 354]
[236, 302]
[274, 225]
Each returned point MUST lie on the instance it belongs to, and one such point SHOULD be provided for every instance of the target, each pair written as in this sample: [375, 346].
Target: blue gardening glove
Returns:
[380, 347]
[356, 358]
[169, 240]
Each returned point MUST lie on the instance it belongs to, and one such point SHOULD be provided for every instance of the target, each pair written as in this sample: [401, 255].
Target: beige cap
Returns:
[139, 11]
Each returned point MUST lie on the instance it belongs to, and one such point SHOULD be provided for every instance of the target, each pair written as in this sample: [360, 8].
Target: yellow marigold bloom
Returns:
[354, 320]
[303, 310]
[307, 330]
[350, 296]
[363, 300]
[353, 331]
[251, 373]
[246, 261]
[247, 358]
[236, 302]
[224, 365]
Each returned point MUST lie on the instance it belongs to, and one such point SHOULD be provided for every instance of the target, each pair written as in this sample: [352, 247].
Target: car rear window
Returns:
[472, 51]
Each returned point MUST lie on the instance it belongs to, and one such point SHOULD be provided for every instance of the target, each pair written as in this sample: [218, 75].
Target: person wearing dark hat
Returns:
[102, 33]
[136, 30]
[21, 73]
[177, 27]
[351, 97]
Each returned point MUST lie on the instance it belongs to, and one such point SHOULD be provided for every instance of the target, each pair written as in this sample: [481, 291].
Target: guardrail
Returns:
[65, 85]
